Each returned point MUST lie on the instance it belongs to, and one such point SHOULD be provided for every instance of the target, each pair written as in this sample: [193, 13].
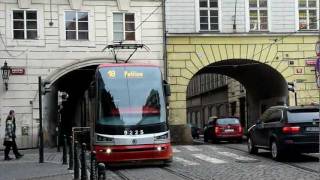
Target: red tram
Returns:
[129, 119]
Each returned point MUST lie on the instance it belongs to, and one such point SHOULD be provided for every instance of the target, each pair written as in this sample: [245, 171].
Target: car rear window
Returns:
[228, 121]
[305, 115]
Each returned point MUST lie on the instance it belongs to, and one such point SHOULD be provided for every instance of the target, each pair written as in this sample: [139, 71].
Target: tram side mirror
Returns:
[167, 90]
[92, 89]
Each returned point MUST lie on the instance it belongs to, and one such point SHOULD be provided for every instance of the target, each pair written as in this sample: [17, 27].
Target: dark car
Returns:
[227, 128]
[195, 131]
[286, 130]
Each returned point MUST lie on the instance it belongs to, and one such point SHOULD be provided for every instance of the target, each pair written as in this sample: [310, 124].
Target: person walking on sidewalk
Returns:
[10, 137]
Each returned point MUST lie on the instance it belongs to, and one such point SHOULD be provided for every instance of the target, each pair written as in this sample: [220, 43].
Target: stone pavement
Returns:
[28, 167]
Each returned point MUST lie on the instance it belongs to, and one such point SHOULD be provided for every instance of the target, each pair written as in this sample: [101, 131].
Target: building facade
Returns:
[207, 95]
[263, 44]
[214, 95]
[54, 39]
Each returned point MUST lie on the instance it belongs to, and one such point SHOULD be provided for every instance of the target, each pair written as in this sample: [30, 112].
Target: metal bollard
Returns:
[70, 154]
[76, 161]
[58, 140]
[93, 175]
[64, 153]
[101, 171]
[83, 162]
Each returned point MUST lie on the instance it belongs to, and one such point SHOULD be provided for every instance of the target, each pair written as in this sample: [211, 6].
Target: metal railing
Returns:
[79, 157]
[81, 134]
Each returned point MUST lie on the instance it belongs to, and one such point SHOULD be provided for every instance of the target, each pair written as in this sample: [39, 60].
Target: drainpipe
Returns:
[164, 29]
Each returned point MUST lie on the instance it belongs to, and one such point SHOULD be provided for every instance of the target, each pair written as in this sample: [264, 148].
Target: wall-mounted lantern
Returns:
[5, 70]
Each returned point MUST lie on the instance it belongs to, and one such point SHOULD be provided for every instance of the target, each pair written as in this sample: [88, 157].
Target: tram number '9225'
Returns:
[131, 132]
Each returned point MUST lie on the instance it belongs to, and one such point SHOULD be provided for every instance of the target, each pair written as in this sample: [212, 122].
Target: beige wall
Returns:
[189, 54]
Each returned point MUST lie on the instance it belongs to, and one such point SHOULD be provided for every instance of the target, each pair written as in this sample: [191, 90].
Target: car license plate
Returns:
[229, 130]
[312, 128]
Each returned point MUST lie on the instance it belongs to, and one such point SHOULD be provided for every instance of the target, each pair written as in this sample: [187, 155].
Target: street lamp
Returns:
[5, 70]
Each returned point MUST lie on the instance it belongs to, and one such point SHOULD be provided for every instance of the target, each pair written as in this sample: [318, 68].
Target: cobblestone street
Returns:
[28, 167]
[225, 161]
[200, 161]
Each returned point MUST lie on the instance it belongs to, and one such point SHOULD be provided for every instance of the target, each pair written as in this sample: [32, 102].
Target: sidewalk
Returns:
[28, 167]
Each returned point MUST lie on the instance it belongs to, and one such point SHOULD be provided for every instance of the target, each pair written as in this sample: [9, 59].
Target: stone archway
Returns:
[67, 78]
[54, 76]
[187, 56]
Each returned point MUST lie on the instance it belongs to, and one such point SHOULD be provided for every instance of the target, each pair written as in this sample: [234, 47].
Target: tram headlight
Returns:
[161, 137]
[105, 139]
[108, 151]
[159, 148]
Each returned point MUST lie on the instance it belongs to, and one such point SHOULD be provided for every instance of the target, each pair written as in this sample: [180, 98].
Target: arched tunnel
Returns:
[74, 83]
[264, 85]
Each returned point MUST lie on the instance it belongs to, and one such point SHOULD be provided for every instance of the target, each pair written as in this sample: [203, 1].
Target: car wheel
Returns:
[275, 151]
[251, 147]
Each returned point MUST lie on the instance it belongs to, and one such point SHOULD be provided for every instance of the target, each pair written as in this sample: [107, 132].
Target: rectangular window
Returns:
[258, 13]
[209, 15]
[25, 24]
[308, 12]
[123, 27]
[77, 27]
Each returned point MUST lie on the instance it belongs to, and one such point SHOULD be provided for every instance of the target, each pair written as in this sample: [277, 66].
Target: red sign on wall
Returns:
[310, 62]
[17, 71]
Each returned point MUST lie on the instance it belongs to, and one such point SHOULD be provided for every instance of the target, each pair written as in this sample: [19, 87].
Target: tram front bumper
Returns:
[118, 154]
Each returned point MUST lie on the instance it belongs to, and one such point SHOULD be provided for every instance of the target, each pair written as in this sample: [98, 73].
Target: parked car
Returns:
[195, 131]
[227, 128]
[283, 129]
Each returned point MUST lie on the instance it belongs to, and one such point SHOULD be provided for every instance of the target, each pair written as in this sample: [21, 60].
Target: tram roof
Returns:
[126, 64]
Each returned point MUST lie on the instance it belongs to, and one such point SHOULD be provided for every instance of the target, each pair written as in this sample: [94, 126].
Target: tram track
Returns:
[287, 163]
[120, 174]
[181, 175]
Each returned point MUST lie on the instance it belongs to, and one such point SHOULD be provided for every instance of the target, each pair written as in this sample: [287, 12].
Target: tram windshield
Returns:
[130, 96]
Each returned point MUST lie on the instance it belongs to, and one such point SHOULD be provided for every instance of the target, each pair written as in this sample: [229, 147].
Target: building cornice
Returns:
[241, 34]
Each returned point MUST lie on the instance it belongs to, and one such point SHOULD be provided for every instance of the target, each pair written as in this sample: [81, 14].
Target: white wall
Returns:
[182, 16]
[51, 51]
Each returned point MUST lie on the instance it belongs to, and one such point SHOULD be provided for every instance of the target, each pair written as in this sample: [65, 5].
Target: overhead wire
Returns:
[144, 46]
[149, 15]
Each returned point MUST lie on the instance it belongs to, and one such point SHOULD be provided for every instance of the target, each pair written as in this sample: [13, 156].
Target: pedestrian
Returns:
[10, 137]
